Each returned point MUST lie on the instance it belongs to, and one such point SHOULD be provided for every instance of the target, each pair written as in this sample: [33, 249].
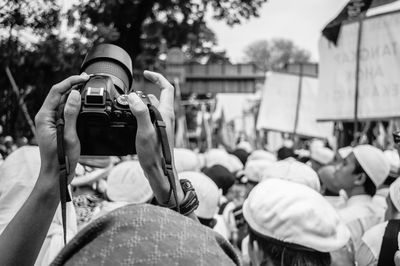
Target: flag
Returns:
[351, 11]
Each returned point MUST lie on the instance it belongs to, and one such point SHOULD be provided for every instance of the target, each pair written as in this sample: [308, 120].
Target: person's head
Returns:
[285, 152]
[291, 224]
[143, 234]
[241, 154]
[186, 160]
[362, 171]
[221, 176]
[393, 201]
[293, 171]
[254, 169]
[127, 183]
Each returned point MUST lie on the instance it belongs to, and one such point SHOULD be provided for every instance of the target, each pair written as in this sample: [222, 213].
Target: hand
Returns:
[147, 143]
[45, 121]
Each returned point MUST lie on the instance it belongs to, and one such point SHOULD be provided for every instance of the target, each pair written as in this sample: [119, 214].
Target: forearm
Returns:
[22, 239]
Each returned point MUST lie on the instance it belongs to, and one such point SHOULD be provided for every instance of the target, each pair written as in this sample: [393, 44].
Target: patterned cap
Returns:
[144, 234]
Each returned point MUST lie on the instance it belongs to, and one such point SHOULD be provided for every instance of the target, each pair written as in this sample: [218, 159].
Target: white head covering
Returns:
[316, 144]
[394, 160]
[221, 157]
[18, 175]
[345, 151]
[207, 193]
[254, 169]
[244, 145]
[262, 155]
[323, 155]
[294, 171]
[186, 160]
[394, 193]
[294, 213]
[127, 183]
[373, 161]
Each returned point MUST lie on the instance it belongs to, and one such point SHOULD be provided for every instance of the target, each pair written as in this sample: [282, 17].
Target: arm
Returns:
[147, 144]
[23, 237]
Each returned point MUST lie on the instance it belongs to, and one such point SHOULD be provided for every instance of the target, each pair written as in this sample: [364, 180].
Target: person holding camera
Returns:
[22, 239]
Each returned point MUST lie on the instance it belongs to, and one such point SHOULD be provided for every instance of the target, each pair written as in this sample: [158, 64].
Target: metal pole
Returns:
[296, 119]
[357, 77]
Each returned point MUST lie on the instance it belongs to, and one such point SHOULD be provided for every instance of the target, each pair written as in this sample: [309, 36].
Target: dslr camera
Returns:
[105, 124]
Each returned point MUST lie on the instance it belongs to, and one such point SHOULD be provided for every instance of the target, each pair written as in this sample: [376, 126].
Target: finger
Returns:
[56, 92]
[71, 140]
[71, 111]
[167, 90]
[140, 111]
[153, 100]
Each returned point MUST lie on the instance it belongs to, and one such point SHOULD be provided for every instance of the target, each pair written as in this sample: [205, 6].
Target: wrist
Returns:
[47, 184]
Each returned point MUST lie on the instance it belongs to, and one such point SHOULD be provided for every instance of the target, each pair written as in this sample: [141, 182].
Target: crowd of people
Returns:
[311, 207]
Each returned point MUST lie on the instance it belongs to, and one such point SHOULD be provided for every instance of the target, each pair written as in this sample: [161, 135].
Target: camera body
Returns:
[105, 124]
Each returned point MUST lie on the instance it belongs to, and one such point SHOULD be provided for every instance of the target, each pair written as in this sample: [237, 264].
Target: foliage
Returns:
[275, 54]
[147, 28]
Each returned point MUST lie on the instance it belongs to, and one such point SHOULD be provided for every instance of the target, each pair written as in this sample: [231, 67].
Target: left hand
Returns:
[45, 121]
[147, 143]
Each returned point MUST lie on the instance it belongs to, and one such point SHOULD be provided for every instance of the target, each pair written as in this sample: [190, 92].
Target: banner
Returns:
[379, 78]
[279, 103]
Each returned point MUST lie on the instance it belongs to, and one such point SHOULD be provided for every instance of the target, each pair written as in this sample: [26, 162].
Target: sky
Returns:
[298, 20]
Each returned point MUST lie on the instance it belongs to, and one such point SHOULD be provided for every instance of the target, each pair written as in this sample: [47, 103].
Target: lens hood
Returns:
[113, 54]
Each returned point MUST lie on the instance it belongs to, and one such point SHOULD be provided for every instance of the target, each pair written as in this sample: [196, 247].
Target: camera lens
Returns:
[110, 60]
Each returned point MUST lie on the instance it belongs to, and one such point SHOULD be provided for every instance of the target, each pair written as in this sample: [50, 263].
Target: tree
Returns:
[145, 27]
[37, 56]
[275, 54]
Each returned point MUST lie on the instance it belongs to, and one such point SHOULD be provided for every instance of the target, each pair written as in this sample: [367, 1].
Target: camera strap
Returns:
[64, 169]
[166, 158]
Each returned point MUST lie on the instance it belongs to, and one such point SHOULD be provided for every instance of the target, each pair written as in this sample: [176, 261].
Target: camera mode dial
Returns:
[121, 100]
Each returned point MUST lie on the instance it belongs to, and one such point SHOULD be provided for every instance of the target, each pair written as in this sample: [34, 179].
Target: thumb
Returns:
[140, 111]
[397, 258]
[71, 112]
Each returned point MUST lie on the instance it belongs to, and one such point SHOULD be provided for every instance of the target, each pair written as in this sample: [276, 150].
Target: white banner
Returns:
[379, 75]
[279, 103]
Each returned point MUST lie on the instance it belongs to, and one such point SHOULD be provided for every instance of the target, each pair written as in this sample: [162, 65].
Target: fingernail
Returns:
[75, 97]
[84, 75]
[132, 98]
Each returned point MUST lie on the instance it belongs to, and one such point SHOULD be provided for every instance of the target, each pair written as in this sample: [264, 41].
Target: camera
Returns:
[105, 124]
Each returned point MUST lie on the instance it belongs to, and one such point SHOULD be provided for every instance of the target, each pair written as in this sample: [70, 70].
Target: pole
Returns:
[357, 77]
[20, 100]
[299, 92]
[181, 140]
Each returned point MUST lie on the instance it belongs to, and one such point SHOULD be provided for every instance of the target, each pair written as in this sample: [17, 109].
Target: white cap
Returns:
[288, 143]
[373, 161]
[221, 157]
[186, 160]
[345, 151]
[316, 144]
[294, 213]
[322, 155]
[244, 145]
[207, 193]
[262, 155]
[394, 193]
[394, 160]
[294, 171]
[127, 183]
[235, 163]
[254, 169]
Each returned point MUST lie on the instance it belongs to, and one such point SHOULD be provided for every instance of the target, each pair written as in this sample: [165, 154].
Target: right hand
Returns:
[148, 146]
